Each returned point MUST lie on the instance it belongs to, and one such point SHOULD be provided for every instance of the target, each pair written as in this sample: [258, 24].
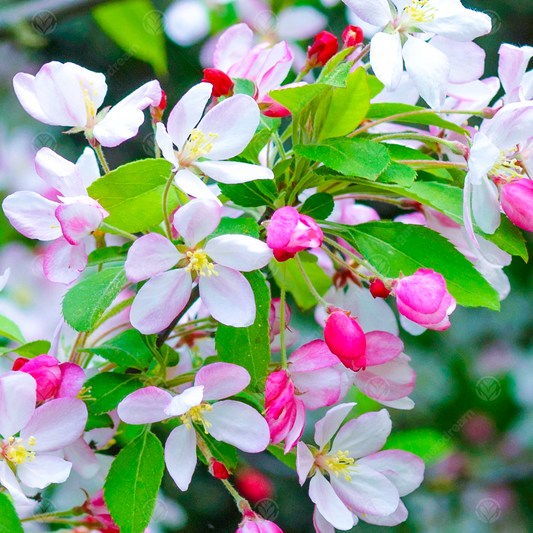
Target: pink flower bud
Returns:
[274, 317]
[378, 289]
[218, 469]
[253, 484]
[424, 299]
[322, 50]
[222, 83]
[253, 523]
[517, 202]
[352, 36]
[46, 372]
[156, 112]
[271, 108]
[346, 339]
[290, 232]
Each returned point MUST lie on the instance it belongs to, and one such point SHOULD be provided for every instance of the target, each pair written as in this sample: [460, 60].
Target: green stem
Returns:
[362, 54]
[180, 380]
[115, 231]
[279, 145]
[339, 261]
[427, 163]
[308, 282]
[165, 205]
[101, 158]
[418, 137]
[371, 198]
[283, 297]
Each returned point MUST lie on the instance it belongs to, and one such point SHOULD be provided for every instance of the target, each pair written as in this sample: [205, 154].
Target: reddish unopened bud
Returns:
[322, 50]
[517, 202]
[19, 363]
[222, 83]
[378, 289]
[352, 36]
[157, 111]
[346, 340]
[489, 112]
[218, 469]
[254, 485]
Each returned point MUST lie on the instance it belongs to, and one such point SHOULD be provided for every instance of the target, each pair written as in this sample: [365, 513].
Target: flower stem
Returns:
[428, 163]
[419, 137]
[362, 54]
[115, 231]
[180, 380]
[282, 318]
[101, 158]
[309, 284]
[165, 204]
[359, 260]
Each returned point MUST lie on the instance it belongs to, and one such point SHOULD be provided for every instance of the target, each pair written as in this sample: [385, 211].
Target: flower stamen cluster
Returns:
[195, 414]
[199, 262]
[17, 453]
[198, 145]
[341, 463]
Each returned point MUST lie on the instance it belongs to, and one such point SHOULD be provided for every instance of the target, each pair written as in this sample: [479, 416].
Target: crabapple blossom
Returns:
[54, 379]
[223, 133]
[228, 421]
[352, 36]
[364, 483]
[216, 265]
[65, 94]
[427, 63]
[517, 202]
[289, 232]
[322, 50]
[253, 523]
[66, 222]
[424, 299]
[517, 83]
[29, 436]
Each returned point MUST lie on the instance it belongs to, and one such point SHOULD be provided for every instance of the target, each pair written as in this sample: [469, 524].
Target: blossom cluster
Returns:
[254, 209]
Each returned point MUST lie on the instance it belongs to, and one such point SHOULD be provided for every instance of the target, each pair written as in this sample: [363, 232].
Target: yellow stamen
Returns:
[341, 463]
[198, 145]
[421, 11]
[506, 168]
[200, 264]
[17, 453]
[195, 414]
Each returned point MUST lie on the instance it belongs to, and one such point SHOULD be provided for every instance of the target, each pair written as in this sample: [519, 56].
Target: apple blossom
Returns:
[223, 133]
[352, 36]
[363, 482]
[227, 421]
[517, 83]
[217, 265]
[65, 94]
[41, 431]
[253, 523]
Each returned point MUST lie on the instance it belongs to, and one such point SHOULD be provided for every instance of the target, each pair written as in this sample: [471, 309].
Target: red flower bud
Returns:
[222, 83]
[19, 363]
[517, 202]
[322, 50]
[218, 469]
[157, 111]
[378, 289]
[352, 36]
[346, 339]
[254, 485]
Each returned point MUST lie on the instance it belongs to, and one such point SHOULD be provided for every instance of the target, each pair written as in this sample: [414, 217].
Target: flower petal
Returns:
[160, 300]
[72, 380]
[382, 347]
[197, 219]
[144, 406]
[364, 435]
[319, 388]
[239, 252]
[59, 173]
[10, 482]
[150, 255]
[24, 85]
[297, 429]
[329, 504]
[228, 297]
[32, 215]
[83, 458]
[118, 126]
[189, 398]
[164, 142]
[187, 21]
[321, 524]
[486, 205]
[192, 185]
[234, 122]
[63, 263]
[386, 59]
[314, 355]
[17, 402]
[377, 12]
[78, 221]
[304, 461]
[180, 456]
[222, 380]
[232, 46]
[298, 23]
[238, 424]
[393, 519]
[56, 424]
[88, 166]
[327, 426]
[234, 172]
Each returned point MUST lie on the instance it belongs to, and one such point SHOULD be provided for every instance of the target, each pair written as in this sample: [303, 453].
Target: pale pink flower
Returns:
[228, 421]
[363, 482]
[66, 222]
[70, 95]
[203, 144]
[216, 265]
[517, 83]
[310, 382]
[29, 434]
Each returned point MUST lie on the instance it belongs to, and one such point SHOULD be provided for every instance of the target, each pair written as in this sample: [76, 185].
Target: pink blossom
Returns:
[49, 428]
[66, 222]
[517, 83]
[228, 421]
[216, 266]
[364, 483]
[517, 202]
[290, 232]
[54, 379]
[70, 95]
[424, 299]
[253, 523]
[291, 335]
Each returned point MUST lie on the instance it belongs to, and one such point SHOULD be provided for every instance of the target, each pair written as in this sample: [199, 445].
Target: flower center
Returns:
[505, 168]
[198, 145]
[341, 463]
[89, 104]
[16, 452]
[200, 264]
[420, 11]
[196, 414]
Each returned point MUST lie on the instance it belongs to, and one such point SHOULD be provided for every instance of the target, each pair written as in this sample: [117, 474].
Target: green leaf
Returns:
[258, 142]
[289, 459]
[99, 421]
[397, 173]
[131, 487]
[289, 273]
[351, 157]
[249, 347]
[108, 389]
[110, 254]
[9, 521]
[137, 28]
[243, 86]
[30, 350]
[126, 349]
[404, 153]
[250, 194]
[319, 205]
[296, 98]
[133, 194]
[392, 247]
[380, 111]
[375, 86]
[335, 72]
[236, 226]
[86, 302]
[223, 452]
[9, 329]
[348, 106]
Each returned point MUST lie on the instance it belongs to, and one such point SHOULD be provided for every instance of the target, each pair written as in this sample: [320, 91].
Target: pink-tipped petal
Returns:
[197, 219]
[319, 388]
[72, 380]
[144, 406]
[24, 85]
[314, 355]
[222, 380]
[83, 458]
[297, 429]
[17, 402]
[63, 263]
[382, 347]
[327, 426]
[239, 252]
[59, 173]
[232, 46]
[393, 519]
[78, 221]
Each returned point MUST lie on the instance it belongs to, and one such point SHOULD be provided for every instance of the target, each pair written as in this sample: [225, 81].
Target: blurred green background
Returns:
[473, 420]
